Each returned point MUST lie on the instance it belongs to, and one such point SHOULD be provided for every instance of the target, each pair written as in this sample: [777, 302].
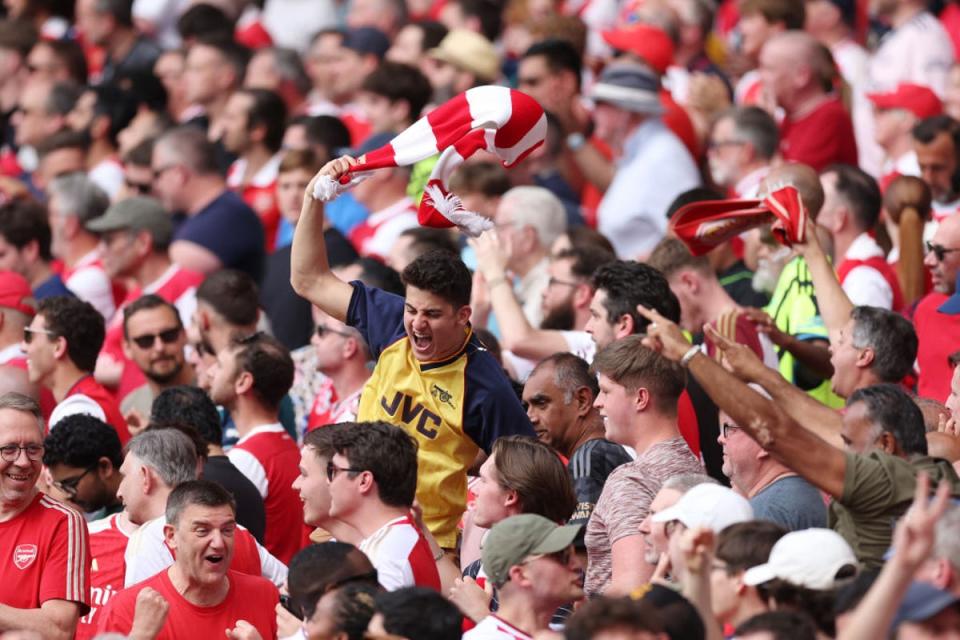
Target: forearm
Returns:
[696, 589]
[49, 624]
[832, 300]
[517, 335]
[873, 617]
[310, 273]
[811, 354]
[596, 169]
[805, 410]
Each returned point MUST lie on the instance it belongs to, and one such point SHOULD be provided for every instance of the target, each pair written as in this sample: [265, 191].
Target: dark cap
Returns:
[366, 40]
[136, 214]
[922, 602]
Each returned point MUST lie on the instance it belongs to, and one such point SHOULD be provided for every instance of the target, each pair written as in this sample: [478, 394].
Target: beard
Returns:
[560, 318]
[164, 377]
[768, 271]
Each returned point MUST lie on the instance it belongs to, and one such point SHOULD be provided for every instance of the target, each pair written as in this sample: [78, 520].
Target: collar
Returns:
[10, 352]
[275, 427]
[263, 178]
[863, 247]
[164, 278]
[436, 364]
[749, 185]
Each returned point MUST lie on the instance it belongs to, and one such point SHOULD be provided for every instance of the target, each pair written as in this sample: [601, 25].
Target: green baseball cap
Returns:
[136, 214]
[518, 537]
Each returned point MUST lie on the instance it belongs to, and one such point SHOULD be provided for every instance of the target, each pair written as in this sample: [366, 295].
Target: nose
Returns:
[930, 259]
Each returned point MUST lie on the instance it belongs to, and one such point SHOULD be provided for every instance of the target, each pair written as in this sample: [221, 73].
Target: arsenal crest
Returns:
[24, 555]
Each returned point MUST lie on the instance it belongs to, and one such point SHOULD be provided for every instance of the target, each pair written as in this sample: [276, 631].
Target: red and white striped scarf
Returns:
[503, 121]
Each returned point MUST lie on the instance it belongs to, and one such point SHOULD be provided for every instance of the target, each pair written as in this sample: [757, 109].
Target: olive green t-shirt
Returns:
[877, 489]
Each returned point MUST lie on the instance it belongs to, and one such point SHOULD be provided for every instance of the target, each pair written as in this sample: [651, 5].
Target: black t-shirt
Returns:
[290, 316]
[228, 228]
[250, 512]
[590, 465]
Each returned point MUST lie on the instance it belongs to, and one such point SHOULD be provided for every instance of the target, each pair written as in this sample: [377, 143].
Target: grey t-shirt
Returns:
[791, 502]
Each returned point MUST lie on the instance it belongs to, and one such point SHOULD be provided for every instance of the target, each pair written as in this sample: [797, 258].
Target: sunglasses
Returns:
[143, 188]
[28, 333]
[564, 556]
[168, 336]
[939, 250]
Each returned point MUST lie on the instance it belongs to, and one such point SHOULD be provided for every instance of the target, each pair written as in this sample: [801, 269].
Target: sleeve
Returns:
[495, 414]
[865, 286]
[93, 286]
[867, 484]
[249, 466]
[629, 507]
[377, 315]
[66, 570]
[590, 465]
[580, 344]
[271, 568]
[207, 230]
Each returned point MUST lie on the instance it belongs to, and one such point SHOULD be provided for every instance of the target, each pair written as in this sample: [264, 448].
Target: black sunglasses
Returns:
[169, 336]
[939, 250]
[322, 330]
[143, 188]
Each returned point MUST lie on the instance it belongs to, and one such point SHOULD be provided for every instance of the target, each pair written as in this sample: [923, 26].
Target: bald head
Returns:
[803, 178]
[795, 67]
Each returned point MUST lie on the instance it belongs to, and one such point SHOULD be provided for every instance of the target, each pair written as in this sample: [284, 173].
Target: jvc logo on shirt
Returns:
[24, 555]
[410, 411]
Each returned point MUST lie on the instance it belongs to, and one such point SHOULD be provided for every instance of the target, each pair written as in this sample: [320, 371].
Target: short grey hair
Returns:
[77, 195]
[683, 482]
[168, 452]
[538, 208]
[756, 127]
[892, 338]
[19, 402]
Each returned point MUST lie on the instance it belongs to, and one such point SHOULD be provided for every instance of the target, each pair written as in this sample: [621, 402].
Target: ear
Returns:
[463, 315]
[243, 383]
[366, 483]
[105, 467]
[168, 535]
[642, 399]
[143, 243]
[624, 326]
[583, 398]
[513, 499]
[582, 295]
[350, 347]
[99, 127]
[147, 481]
[127, 351]
[31, 251]
[689, 281]
[888, 443]
[517, 574]
[866, 358]
[60, 348]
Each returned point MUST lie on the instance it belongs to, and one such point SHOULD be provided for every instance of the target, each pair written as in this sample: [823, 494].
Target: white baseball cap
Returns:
[808, 558]
[708, 505]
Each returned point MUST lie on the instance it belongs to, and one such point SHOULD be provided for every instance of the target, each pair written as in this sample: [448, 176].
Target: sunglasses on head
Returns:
[168, 336]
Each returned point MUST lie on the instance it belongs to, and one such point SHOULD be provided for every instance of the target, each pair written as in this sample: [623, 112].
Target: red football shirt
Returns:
[89, 387]
[44, 555]
[939, 336]
[250, 598]
[820, 138]
[108, 543]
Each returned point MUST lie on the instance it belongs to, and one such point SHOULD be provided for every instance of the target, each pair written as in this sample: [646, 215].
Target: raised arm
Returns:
[820, 463]
[517, 335]
[798, 405]
[835, 306]
[310, 273]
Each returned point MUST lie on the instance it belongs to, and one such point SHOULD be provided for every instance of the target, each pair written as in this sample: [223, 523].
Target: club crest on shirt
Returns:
[442, 395]
[24, 555]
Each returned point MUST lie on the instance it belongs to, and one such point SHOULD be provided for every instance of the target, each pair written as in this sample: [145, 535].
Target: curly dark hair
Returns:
[627, 284]
[79, 323]
[387, 452]
[80, 440]
[442, 274]
[188, 405]
[418, 612]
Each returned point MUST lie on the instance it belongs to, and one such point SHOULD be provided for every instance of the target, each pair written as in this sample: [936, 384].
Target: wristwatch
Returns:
[576, 140]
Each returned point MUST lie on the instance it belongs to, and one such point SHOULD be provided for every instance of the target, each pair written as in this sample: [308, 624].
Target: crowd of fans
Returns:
[233, 407]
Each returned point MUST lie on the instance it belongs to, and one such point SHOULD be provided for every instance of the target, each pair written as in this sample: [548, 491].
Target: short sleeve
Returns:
[495, 411]
[867, 483]
[66, 570]
[628, 507]
[377, 315]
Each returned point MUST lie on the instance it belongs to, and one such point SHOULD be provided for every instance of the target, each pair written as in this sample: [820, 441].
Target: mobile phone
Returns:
[287, 603]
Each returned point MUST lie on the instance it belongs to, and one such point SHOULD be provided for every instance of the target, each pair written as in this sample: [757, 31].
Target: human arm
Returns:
[194, 257]
[913, 541]
[516, 333]
[819, 462]
[813, 415]
[149, 615]
[310, 273]
[629, 568]
[593, 165]
[834, 305]
[813, 354]
[244, 631]
[54, 619]
[698, 545]
[472, 600]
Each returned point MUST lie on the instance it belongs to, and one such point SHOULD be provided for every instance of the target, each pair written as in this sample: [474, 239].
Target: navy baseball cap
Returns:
[366, 40]
[922, 602]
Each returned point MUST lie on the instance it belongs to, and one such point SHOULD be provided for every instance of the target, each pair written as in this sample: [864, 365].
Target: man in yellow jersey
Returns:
[433, 377]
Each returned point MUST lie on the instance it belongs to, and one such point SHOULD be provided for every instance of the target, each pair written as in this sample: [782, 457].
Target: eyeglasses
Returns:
[249, 338]
[939, 250]
[167, 336]
[726, 429]
[719, 144]
[566, 283]
[333, 470]
[10, 452]
[322, 330]
[69, 485]
[28, 333]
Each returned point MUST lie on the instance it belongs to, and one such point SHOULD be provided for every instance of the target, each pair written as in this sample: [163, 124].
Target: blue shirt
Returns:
[791, 502]
[228, 228]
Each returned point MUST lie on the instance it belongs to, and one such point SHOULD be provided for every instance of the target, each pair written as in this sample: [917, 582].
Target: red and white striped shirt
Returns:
[401, 556]
[45, 555]
[375, 236]
[260, 193]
